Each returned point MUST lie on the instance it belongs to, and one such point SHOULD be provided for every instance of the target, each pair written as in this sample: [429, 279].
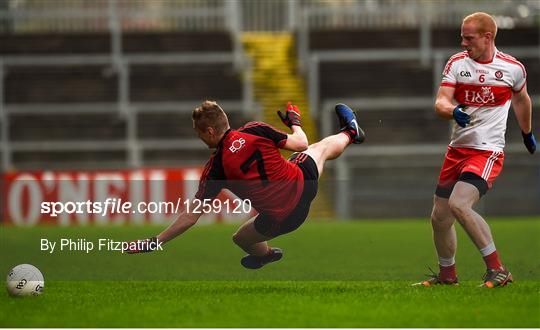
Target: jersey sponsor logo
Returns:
[498, 75]
[485, 96]
[482, 95]
[482, 71]
[237, 145]
[465, 74]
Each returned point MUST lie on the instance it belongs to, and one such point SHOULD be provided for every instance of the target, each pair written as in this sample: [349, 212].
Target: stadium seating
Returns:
[49, 44]
[339, 39]
[39, 97]
[518, 36]
[381, 38]
[362, 79]
[100, 43]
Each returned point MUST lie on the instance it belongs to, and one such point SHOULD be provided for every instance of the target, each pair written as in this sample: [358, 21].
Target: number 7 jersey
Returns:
[247, 161]
[486, 89]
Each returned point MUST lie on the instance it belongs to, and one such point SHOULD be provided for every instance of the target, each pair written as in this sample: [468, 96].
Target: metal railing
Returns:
[420, 15]
[115, 17]
[274, 15]
[403, 13]
[123, 106]
[437, 61]
[94, 16]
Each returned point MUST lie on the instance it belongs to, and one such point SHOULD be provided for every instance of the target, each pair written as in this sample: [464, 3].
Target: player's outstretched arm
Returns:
[297, 141]
[522, 105]
[291, 116]
[183, 222]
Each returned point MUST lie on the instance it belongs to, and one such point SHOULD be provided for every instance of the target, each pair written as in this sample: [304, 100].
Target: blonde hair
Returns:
[210, 114]
[483, 23]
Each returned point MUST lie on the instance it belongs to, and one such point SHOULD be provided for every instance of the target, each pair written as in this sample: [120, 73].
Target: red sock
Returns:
[350, 133]
[447, 272]
[492, 261]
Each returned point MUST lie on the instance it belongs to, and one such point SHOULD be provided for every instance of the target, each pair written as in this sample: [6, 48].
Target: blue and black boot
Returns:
[348, 123]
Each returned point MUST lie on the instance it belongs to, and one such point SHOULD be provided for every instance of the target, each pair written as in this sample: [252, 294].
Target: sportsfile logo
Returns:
[110, 205]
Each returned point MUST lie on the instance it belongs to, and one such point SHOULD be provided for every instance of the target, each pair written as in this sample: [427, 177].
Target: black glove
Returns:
[291, 117]
[530, 141]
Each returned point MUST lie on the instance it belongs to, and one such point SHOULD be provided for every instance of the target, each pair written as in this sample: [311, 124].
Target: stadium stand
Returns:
[117, 97]
[165, 86]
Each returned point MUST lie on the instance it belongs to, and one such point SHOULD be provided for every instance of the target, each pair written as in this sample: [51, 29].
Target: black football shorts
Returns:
[268, 226]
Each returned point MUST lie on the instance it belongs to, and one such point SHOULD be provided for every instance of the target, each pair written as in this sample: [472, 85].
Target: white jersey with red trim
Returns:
[486, 89]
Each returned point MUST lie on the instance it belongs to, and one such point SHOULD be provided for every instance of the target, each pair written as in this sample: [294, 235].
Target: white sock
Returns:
[447, 262]
[488, 249]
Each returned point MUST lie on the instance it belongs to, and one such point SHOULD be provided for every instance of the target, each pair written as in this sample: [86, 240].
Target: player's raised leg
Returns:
[255, 244]
[250, 239]
[461, 202]
[331, 147]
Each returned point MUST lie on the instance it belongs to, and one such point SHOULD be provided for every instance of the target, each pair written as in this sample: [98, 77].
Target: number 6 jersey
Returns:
[247, 161]
[486, 89]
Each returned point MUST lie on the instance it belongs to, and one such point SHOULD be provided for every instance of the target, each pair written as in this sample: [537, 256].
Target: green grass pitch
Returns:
[333, 274]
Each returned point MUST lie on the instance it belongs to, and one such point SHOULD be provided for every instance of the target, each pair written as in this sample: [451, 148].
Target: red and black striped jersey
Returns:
[247, 162]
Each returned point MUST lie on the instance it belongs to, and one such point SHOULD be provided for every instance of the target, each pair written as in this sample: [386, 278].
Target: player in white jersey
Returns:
[476, 91]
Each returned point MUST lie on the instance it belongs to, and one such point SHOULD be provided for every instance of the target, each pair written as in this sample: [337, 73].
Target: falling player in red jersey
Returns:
[247, 162]
[477, 88]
